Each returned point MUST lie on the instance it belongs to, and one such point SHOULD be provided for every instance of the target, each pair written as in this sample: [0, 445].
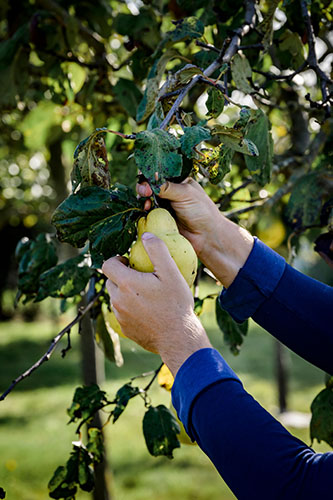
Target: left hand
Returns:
[156, 309]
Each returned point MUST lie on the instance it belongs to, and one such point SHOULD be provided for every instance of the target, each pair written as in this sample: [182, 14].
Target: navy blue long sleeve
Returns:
[257, 457]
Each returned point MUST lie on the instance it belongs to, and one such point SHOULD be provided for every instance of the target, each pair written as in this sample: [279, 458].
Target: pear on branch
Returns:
[163, 225]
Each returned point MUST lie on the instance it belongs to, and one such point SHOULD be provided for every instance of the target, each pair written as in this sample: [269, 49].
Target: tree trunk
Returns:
[93, 373]
[281, 363]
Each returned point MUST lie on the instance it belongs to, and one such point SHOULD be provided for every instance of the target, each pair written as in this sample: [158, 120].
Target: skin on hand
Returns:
[156, 309]
[221, 245]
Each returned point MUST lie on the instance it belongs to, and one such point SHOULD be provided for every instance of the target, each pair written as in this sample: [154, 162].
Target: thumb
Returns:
[159, 254]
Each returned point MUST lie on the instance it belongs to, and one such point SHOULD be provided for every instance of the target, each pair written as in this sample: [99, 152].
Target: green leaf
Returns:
[124, 394]
[321, 425]
[218, 170]
[108, 341]
[304, 205]
[215, 102]
[149, 100]
[258, 131]
[64, 280]
[128, 95]
[241, 71]
[192, 137]
[58, 486]
[291, 42]
[35, 258]
[266, 25]
[86, 402]
[233, 332]
[95, 444]
[91, 167]
[185, 74]
[155, 155]
[160, 429]
[85, 473]
[8, 48]
[105, 217]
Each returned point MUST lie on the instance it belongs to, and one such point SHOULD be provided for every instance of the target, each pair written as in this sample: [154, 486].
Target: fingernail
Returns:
[141, 190]
[147, 236]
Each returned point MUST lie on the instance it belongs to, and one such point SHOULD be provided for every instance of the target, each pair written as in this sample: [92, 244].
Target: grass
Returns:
[34, 437]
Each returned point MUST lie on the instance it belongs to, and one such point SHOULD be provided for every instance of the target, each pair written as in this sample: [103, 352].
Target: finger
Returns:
[143, 189]
[159, 254]
[112, 289]
[147, 205]
[116, 269]
[179, 192]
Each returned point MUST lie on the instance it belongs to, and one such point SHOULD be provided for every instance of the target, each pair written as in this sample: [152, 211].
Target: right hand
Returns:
[197, 215]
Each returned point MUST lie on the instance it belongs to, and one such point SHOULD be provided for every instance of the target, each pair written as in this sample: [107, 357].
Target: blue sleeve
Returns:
[296, 309]
[256, 456]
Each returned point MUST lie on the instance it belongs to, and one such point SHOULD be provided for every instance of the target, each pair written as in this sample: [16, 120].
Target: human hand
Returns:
[156, 309]
[220, 244]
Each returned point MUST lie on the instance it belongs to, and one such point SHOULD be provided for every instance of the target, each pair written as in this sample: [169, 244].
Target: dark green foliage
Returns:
[215, 102]
[65, 280]
[258, 132]
[95, 444]
[233, 332]
[160, 429]
[128, 94]
[86, 402]
[305, 202]
[35, 257]
[124, 394]
[192, 137]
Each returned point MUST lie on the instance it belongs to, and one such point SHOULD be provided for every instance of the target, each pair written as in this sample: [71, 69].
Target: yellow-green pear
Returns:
[161, 223]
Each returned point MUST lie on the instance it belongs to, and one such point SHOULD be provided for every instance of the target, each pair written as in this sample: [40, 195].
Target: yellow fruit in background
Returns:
[271, 231]
[111, 319]
[165, 378]
[163, 225]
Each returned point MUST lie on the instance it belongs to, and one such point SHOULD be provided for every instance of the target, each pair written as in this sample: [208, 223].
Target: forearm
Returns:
[254, 454]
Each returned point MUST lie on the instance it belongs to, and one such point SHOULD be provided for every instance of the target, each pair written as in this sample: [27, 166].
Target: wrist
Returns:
[226, 250]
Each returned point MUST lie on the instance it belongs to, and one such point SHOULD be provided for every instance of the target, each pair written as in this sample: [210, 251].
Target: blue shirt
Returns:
[256, 456]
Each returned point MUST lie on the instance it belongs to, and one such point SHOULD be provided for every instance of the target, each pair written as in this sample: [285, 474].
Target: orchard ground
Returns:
[34, 437]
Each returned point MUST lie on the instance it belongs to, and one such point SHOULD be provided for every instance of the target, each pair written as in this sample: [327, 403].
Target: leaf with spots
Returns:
[215, 102]
[258, 132]
[234, 139]
[241, 72]
[188, 28]
[157, 157]
[160, 429]
[124, 394]
[65, 280]
[91, 166]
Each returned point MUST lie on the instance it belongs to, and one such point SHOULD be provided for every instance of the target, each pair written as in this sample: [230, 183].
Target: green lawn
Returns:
[34, 437]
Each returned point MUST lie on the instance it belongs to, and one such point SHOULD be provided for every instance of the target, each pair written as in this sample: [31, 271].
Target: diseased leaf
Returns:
[192, 137]
[216, 161]
[258, 131]
[160, 429]
[304, 204]
[85, 473]
[215, 102]
[108, 341]
[58, 486]
[235, 140]
[35, 258]
[95, 444]
[124, 394]
[321, 425]
[65, 280]
[86, 402]
[241, 71]
[91, 167]
[233, 332]
[155, 155]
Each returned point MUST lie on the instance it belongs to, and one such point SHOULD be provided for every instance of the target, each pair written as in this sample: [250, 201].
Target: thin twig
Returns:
[154, 377]
[53, 344]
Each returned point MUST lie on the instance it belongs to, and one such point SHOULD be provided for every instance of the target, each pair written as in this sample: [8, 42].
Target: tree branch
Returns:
[53, 344]
[223, 57]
